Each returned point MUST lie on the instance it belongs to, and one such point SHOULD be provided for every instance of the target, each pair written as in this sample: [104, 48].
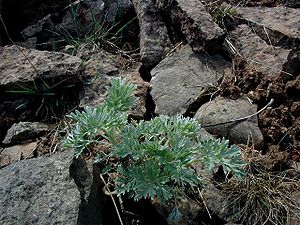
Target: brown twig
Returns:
[112, 198]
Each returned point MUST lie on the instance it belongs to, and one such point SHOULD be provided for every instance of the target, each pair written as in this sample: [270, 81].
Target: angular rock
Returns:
[16, 153]
[39, 191]
[182, 78]
[154, 38]
[99, 68]
[223, 110]
[269, 60]
[278, 25]
[25, 131]
[195, 23]
[20, 65]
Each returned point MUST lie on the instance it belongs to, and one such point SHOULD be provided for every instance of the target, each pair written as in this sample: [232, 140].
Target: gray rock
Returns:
[39, 191]
[154, 38]
[182, 78]
[195, 23]
[222, 110]
[99, 68]
[116, 9]
[20, 65]
[269, 60]
[278, 25]
[25, 131]
[51, 190]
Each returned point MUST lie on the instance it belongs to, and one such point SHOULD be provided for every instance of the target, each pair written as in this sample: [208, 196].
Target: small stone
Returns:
[222, 110]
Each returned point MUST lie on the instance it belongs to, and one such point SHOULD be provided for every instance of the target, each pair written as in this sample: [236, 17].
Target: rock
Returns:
[16, 68]
[154, 38]
[99, 68]
[195, 23]
[269, 60]
[182, 78]
[38, 85]
[218, 205]
[51, 190]
[39, 191]
[16, 153]
[25, 131]
[222, 110]
[278, 25]
[116, 9]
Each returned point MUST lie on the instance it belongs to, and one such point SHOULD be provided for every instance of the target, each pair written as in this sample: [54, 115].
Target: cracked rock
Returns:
[181, 78]
[195, 22]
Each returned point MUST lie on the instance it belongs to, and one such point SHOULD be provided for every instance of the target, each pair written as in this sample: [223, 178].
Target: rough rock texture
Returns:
[51, 190]
[269, 60]
[223, 110]
[116, 9]
[16, 153]
[39, 191]
[195, 23]
[278, 25]
[16, 69]
[182, 78]
[99, 68]
[25, 131]
[154, 38]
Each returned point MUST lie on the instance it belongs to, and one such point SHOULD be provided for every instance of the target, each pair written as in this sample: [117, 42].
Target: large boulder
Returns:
[20, 65]
[51, 190]
[154, 38]
[195, 23]
[39, 191]
[181, 78]
[38, 84]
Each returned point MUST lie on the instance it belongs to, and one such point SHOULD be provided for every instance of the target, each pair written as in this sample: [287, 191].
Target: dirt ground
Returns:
[279, 123]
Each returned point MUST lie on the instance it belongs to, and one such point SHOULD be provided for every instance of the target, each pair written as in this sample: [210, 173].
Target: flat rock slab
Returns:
[195, 22]
[279, 25]
[183, 77]
[154, 38]
[25, 131]
[39, 191]
[20, 65]
[269, 60]
[223, 110]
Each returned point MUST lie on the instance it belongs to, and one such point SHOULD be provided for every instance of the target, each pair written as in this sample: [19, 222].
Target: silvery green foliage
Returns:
[103, 121]
[218, 153]
[152, 159]
[159, 157]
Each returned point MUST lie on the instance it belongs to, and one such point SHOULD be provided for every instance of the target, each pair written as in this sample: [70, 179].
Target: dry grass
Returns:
[265, 198]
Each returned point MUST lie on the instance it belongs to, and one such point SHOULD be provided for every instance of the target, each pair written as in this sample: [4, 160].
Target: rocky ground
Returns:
[232, 65]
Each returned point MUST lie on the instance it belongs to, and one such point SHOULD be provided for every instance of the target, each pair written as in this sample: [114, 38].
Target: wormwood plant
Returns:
[151, 159]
